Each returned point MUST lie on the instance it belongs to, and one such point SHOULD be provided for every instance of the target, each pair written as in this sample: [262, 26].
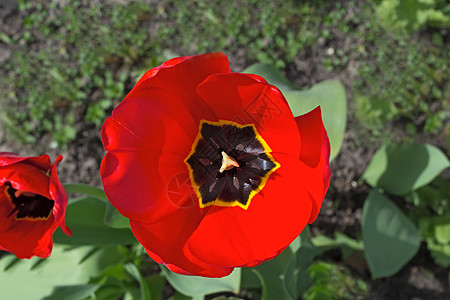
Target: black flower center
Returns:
[29, 206]
[229, 163]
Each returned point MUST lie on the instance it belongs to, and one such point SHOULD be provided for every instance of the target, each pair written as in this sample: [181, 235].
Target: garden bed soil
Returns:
[341, 210]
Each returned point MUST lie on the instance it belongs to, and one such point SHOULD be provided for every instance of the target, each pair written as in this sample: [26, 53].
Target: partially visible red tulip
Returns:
[32, 204]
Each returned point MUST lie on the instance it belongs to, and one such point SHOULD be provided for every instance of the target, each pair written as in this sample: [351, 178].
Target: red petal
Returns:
[59, 195]
[216, 61]
[41, 162]
[165, 242]
[315, 153]
[244, 100]
[24, 238]
[25, 177]
[151, 133]
[137, 172]
[275, 217]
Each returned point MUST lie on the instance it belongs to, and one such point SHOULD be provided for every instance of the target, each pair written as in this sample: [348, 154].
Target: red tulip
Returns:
[211, 167]
[32, 204]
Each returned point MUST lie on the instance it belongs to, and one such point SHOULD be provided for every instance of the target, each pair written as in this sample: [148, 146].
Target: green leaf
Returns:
[85, 218]
[156, 284]
[72, 292]
[439, 252]
[196, 286]
[296, 280]
[249, 279]
[86, 190]
[390, 238]
[329, 94]
[271, 274]
[442, 229]
[113, 218]
[62, 268]
[346, 244]
[134, 271]
[402, 169]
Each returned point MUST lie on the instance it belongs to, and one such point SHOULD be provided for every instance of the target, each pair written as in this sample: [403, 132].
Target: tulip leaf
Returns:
[64, 269]
[271, 274]
[85, 189]
[85, 218]
[296, 279]
[329, 94]
[405, 168]
[134, 271]
[390, 238]
[72, 292]
[195, 286]
[113, 218]
[341, 241]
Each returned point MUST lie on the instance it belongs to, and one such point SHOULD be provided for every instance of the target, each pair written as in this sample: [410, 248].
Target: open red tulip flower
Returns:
[32, 204]
[211, 167]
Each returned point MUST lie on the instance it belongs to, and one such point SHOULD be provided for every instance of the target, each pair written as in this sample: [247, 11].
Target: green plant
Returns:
[411, 87]
[398, 15]
[331, 281]
[80, 72]
[405, 170]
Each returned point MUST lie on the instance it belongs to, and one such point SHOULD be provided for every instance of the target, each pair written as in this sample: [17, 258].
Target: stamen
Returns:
[23, 193]
[236, 182]
[214, 142]
[211, 187]
[205, 161]
[240, 147]
[227, 163]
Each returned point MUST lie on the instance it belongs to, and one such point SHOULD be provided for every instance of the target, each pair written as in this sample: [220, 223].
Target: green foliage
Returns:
[431, 211]
[401, 79]
[333, 282]
[390, 238]
[404, 168]
[85, 219]
[195, 286]
[80, 73]
[409, 15]
[66, 269]
[341, 241]
[268, 31]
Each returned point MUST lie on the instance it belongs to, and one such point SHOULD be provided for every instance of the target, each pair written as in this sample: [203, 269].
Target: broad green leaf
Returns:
[402, 169]
[113, 218]
[390, 238]
[85, 189]
[179, 296]
[111, 288]
[63, 268]
[249, 279]
[134, 271]
[329, 94]
[85, 218]
[156, 283]
[196, 286]
[296, 280]
[271, 274]
[72, 292]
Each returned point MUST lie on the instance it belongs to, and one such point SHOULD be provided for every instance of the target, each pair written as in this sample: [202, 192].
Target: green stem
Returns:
[85, 189]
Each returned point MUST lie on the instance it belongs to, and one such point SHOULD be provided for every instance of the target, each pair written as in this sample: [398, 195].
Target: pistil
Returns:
[227, 163]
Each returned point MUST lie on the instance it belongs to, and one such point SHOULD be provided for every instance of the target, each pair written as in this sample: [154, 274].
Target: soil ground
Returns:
[341, 210]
